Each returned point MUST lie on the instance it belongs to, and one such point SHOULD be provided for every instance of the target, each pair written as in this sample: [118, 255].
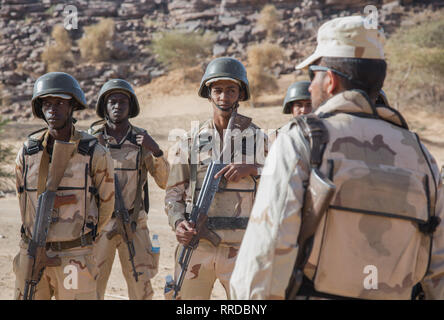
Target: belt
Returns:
[130, 212]
[307, 290]
[65, 245]
[227, 223]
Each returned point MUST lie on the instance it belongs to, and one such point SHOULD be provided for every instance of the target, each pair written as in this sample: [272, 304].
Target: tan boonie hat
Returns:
[347, 37]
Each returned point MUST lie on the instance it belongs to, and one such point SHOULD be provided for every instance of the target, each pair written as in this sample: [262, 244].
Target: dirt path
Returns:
[159, 115]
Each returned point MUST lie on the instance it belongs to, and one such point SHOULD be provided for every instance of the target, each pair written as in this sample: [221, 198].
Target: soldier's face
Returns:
[319, 89]
[225, 94]
[117, 107]
[301, 107]
[57, 111]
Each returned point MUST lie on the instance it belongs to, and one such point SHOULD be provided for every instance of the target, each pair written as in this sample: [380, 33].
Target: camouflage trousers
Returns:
[73, 279]
[207, 264]
[145, 261]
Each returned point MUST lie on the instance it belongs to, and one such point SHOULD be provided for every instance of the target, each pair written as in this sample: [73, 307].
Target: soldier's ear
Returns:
[332, 83]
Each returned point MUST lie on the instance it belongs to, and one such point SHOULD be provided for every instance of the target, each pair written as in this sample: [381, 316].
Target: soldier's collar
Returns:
[111, 140]
[358, 103]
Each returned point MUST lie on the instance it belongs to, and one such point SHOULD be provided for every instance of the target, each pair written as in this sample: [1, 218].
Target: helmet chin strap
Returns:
[234, 106]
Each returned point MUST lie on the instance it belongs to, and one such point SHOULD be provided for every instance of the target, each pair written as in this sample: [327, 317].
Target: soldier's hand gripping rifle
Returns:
[199, 213]
[123, 226]
[36, 259]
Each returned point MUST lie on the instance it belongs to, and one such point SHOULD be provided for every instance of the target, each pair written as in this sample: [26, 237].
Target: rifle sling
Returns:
[43, 167]
[64, 245]
[130, 212]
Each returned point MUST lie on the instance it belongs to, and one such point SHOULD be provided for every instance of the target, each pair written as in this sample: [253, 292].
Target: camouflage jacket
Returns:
[84, 174]
[365, 148]
[125, 157]
[233, 200]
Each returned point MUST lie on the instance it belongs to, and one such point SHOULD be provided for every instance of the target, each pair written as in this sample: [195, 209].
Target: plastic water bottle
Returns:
[169, 284]
[155, 244]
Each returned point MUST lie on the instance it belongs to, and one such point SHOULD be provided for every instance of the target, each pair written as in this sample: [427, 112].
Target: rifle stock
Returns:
[318, 195]
[61, 154]
[37, 260]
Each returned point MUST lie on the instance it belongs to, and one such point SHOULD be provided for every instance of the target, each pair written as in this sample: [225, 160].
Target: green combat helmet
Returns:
[117, 85]
[225, 68]
[382, 99]
[296, 91]
[56, 83]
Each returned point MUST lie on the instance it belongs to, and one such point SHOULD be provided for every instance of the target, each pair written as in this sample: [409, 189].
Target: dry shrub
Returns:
[269, 20]
[176, 49]
[415, 73]
[57, 55]
[5, 153]
[93, 43]
[5, 100]
[261, 59]
[182, 80]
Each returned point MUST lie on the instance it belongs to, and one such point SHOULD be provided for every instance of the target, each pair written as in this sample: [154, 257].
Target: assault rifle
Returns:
[199, 213]
[36, 259]
[124, 225]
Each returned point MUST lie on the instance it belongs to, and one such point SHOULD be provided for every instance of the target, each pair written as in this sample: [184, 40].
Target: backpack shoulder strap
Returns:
[33, 145]
[86, 146]
[316, 133]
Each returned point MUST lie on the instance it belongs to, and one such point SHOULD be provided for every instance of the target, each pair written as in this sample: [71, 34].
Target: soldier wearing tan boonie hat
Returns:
[374, 239]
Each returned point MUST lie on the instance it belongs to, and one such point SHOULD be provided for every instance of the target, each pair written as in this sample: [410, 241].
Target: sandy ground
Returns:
[159, 115]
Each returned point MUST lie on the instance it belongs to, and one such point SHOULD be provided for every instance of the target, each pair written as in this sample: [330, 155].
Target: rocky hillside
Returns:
[26, 26]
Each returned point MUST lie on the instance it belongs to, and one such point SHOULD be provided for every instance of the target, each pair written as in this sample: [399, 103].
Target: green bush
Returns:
[177, 49]
[415, 71]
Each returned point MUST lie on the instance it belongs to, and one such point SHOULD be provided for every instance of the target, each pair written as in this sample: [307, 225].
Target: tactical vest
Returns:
[375, 240]
[130, 168]
[74, 219]
[230, 210]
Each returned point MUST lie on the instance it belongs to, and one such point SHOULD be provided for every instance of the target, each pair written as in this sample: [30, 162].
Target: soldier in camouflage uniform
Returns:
[224, 84]
[134, 153]
[297, 100]
[375, 239]
[85, 195]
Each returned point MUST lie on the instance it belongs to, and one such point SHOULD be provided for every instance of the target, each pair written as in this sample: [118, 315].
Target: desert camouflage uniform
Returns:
[146, 262]
[90, 180]
[209, 263]
[361, 150]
